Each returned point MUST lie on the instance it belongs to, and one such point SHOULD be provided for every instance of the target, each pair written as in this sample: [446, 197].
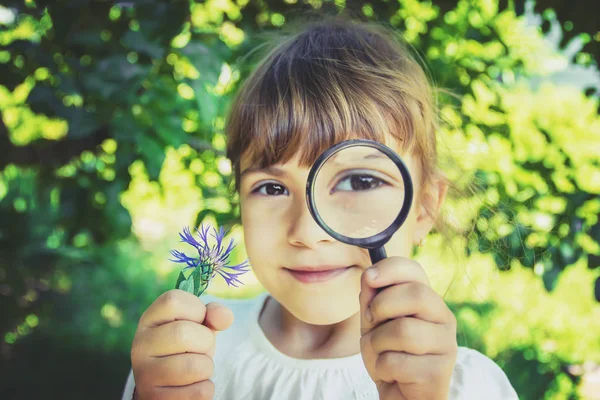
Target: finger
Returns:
[404, 368]
[218, 317]
[173, 305]
[204, 390]
[387, 272]
[394, 270]
[369, 356]
[367, 293]
[177, 370]
[409, 299]
[178, 337]
[390, 391]
[412, 335]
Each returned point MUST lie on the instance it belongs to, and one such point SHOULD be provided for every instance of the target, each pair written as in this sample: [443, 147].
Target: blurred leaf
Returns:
[152, 153]
[136, 41]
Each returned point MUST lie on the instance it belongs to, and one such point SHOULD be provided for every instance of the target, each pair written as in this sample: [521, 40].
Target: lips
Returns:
[315, 274]
[316, 268]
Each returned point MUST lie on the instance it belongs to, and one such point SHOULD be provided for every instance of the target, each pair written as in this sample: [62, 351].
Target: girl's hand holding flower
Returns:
[173, 347]
[408, 340]
[174, 344]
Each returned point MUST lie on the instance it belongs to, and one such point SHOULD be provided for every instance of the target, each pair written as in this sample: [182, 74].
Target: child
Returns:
[331, 325]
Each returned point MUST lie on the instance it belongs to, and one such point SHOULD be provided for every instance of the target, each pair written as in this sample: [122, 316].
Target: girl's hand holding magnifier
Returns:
[408, 332]
[360, 192]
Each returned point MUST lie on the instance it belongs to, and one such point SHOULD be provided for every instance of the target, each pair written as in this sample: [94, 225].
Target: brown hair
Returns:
[334, 80]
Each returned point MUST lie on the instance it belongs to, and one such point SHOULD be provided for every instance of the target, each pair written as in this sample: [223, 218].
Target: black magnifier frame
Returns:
[376, 242]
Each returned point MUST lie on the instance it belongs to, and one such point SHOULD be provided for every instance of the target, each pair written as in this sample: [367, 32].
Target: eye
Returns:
[358, 182]
[271, 189]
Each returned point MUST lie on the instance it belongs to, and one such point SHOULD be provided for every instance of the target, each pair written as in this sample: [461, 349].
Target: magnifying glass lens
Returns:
[359, 192]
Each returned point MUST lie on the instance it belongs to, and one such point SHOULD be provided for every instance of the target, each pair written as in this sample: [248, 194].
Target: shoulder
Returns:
[476, 376]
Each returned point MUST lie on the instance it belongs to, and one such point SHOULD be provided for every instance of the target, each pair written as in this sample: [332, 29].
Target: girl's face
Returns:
[281, 236]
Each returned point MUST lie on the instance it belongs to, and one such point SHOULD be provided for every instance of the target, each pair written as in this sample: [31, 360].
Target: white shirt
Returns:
[249, 367]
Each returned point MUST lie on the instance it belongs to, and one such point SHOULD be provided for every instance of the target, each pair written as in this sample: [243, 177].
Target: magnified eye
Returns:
[271, 189]
[358, 182]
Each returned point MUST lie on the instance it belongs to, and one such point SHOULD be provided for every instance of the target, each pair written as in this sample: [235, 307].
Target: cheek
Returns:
[261, 230]
[401, 243]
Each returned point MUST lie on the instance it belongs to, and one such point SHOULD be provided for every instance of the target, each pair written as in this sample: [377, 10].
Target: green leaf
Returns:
[196, 279]
[187, 285]
[180, 279]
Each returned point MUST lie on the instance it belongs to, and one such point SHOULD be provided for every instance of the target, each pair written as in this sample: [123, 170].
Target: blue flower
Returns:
[211, 260]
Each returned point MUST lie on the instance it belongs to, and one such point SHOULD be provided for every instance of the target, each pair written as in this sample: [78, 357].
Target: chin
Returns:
[321, 309]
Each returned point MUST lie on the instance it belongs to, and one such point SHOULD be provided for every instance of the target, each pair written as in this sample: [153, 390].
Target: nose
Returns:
[303, 230]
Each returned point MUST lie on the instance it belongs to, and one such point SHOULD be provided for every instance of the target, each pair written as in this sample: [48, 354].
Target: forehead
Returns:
[304, 159]
[304, 152]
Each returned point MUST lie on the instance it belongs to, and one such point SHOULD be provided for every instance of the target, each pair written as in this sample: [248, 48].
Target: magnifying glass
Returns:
[360, 192]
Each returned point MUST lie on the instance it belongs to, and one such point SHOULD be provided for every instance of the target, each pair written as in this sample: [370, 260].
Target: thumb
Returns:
[218, 317]
[367, 293]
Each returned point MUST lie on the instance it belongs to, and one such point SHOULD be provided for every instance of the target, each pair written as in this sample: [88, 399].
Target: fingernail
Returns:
[368, 314]
[372, 273]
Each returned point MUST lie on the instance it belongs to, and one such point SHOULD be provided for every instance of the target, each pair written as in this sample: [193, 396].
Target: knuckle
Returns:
[208, 336]
[386, 360]
[136, 351]
[453, 351]
[178, 332]
[152, 395]
[144, 316]
[201, 366]
[205, 390]
[209, 368]
[170, 300]
[363, 279]
[413, 264]
[452, 320]
[400, 328]
[190, 367]
[143, 384]
[388, 365]
[418, 292]
[418, 268]
[451, 326]
[435, 374]
[375, 309]
[383, 366]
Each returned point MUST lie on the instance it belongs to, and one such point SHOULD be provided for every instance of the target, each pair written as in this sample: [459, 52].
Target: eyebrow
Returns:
[271, 170]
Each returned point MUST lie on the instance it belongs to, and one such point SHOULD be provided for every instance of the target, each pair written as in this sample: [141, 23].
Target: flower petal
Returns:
[182, 258]
[188, 238]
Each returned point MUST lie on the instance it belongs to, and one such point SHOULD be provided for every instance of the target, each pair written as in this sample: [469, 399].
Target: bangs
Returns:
[318, 89]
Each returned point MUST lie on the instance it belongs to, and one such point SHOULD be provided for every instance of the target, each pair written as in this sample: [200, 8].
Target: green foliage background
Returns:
[111, 140]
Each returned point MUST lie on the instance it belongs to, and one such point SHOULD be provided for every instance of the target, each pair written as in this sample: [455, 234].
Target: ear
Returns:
[429, 205]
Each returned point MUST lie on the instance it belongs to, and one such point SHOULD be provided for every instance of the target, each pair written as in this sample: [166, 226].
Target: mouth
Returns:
[316, 274]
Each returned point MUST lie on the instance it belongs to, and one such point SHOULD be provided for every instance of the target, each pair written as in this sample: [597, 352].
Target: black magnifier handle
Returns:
[377, 254]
